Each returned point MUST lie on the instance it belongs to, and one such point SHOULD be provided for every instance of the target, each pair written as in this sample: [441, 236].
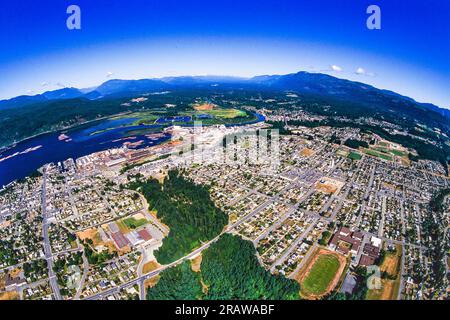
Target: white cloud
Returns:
[44, 84]
[109, 74]
[61, 85]
[30, 91]
[335, 68]
[360, 71]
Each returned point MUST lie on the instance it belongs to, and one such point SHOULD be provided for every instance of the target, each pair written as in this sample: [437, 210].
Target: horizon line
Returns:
[321, 72]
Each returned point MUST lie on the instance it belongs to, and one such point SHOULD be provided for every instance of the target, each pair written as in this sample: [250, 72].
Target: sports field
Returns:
[133, 223]
[322, 274]
[354, 156]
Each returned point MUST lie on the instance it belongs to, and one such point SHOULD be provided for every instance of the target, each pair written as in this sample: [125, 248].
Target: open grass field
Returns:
[133, 223]
[378, 154]
[122, 226]
[321, 274]
[382, 149]
[225, 113]
[342, 152]
[399, 153]
[354, 156]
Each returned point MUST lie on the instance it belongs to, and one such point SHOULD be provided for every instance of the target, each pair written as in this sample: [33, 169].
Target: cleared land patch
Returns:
[92, 234]
[150, 266]
[329, 185]
[306, 152]
[378, 154]
[196, 263]
[9, 295]
[391, 285]
[204, 107]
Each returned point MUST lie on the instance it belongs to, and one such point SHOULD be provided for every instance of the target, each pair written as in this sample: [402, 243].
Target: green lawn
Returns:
[133, 223]
[382, 149]
[354, 156]
[320, 275]
[224, 113]
[398, 153]
[378, 154]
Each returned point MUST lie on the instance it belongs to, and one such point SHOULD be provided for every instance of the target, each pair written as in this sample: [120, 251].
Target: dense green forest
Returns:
[280, 126]
[177, 283]
[23, 122]
[355, 144]
[433, 228]
[229, 270]
[188, 211]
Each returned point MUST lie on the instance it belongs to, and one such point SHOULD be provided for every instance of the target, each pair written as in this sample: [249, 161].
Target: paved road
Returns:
[83, 277]
[153, 273]
[140, 279]
[294, 244]
[402, 274]
[47, 248]
[304, 260]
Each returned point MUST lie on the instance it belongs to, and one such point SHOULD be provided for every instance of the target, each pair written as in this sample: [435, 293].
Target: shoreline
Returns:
[12, 145]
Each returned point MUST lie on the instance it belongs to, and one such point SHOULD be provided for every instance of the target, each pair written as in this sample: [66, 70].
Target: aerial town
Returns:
[73, 230]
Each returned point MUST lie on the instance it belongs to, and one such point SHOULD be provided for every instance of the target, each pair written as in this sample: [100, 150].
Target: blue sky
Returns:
[152, 38]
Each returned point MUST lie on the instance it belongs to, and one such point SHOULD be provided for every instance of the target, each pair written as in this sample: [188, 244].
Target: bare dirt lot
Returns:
[92, 234]
[9, 295]
[150, 266]
[307, 152]
[204, 107]
[196, 262]
[150, 283]
[389, 288]
[328, 185]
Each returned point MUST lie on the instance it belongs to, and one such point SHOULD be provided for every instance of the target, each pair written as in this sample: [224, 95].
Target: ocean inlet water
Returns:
[27, 156]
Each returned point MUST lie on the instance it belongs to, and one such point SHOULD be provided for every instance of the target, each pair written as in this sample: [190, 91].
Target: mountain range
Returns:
[326, 87]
